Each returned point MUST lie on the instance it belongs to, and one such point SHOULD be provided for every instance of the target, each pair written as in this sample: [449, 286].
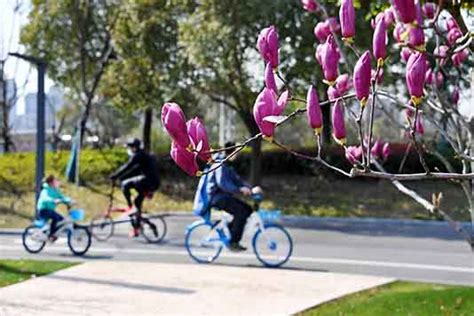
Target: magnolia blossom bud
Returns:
[386, 151]
[185, 159]
[313, 111]
[455, 96]
[322, 31]
[270, 79]
[329, 60]
[174, 122]
[343, 84]
[267, 45]
[198, 135]
[267, 105]
[379, 42]
[338, 125]
[459, 57]
[415, 76]
[429, 10]
[354, 154]
[405, 10]
[347, 18]
[309, 5]
[362, 77]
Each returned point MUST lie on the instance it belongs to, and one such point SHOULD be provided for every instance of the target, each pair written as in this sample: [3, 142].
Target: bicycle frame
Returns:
[63, 226]
[221, 225]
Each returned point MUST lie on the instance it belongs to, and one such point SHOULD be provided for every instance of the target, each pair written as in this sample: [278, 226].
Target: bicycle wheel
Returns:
[153, 229]
[203, 243]
[34, 239]
[102, 227]
[273, 245]
[79, 240]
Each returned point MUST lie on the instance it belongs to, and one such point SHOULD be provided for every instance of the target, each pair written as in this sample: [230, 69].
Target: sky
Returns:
[14, 14]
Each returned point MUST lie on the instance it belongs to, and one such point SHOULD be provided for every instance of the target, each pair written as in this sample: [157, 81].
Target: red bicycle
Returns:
[152, 226]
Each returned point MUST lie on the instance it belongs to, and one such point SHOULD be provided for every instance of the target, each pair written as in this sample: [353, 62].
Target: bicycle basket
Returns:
[270, 215]
[76, 214]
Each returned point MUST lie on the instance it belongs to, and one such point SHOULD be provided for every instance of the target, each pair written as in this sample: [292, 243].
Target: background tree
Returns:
[150, 67]
[74, 37]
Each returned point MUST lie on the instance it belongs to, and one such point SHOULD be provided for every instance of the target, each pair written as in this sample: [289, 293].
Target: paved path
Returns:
[137, 288]
[416, 251]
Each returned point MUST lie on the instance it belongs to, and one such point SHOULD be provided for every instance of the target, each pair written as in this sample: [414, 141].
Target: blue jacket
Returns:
[48, 196]
[221, 183]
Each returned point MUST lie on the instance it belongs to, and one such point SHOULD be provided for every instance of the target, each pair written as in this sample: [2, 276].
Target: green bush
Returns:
[18, 169]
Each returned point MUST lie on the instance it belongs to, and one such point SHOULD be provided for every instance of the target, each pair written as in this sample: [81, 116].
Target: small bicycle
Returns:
[152, 227]
[36, 236]
[272, 244]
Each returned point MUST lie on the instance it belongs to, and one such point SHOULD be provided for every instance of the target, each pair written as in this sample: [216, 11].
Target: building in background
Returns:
[23, 120]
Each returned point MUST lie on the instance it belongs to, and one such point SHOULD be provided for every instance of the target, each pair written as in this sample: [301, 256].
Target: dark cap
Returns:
[133, 142]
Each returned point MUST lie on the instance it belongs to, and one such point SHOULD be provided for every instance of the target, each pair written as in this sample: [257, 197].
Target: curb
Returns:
[332, 223]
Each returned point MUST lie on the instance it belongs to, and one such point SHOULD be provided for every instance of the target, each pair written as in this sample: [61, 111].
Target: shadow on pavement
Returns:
[127, 285]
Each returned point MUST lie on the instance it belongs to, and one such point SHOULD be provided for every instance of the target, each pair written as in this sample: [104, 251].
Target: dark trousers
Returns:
[55, 218]
[241, 212]
[142, 185]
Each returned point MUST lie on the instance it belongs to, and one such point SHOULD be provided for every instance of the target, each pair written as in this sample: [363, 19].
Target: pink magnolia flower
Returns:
[400, 33]
[416, 37]
[270, 82]
[313, 111]
[309, 5]
[453, 35]
[322, 31]
[267, 45]
[329, 56]
[389, 17]
[333, 24]
[319, 53]
[459, 57]
[429, 10]
[174, 122]
[405, 10]
[415, 76]
[354, 154]
[379, 41]
[267, 105]
[198, 135]
[362, 76]
[343, 84]
[386, 151]
[405, 53]
[451, 23]
[338, 125]
[376, 150]
[333, 93]
[441, 52]
[185, 159]
[347, 18]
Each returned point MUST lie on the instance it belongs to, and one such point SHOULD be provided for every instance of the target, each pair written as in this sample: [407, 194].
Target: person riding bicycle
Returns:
[140, 172]
[219, 189]
[50, 196]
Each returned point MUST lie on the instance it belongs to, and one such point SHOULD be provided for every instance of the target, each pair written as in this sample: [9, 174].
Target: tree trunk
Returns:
[148, 120]
[326, 110]
[5, 111]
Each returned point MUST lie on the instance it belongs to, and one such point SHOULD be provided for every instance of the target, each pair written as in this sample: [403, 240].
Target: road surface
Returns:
[415, 251]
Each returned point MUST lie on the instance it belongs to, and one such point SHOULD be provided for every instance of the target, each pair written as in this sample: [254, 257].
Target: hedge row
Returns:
[17, 169]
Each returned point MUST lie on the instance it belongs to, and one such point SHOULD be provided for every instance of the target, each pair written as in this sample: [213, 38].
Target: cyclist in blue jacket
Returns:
[49, 198]
[219, 189]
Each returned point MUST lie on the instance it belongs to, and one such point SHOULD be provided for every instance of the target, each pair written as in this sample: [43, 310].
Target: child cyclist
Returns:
[49, 198]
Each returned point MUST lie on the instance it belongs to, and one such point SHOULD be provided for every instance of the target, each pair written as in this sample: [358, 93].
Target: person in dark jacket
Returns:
[222, 188]
[140, 173]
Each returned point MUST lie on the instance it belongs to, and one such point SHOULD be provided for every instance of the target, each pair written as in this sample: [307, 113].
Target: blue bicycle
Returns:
[272, 244]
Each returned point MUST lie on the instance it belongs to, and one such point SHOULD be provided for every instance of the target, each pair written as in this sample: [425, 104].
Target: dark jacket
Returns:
[140, 163]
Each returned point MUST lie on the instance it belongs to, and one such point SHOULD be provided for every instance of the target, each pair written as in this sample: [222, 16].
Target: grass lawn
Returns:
[402, 298]
[14, 271]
